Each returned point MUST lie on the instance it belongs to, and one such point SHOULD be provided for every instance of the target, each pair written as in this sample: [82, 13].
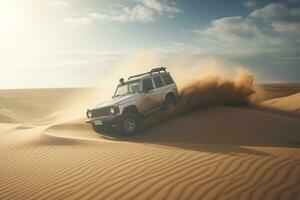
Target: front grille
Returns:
[99, 112]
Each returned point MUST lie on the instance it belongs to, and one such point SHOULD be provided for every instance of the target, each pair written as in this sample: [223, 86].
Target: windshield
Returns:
[128, 88]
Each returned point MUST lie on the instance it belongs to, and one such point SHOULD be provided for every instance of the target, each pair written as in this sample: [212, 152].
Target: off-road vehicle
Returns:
[133, 99]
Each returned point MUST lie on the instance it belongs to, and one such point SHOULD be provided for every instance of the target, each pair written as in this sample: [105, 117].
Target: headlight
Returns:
[114, 110]
[89, 114]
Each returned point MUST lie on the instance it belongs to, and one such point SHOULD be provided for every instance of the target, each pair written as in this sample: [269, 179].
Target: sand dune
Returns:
[289, 103]
[265, 92]
[242, 128]
[44, 106]
[215, 153]
[74, 169]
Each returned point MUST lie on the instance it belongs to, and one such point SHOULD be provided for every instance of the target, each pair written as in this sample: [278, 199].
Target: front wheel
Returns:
[128, 124]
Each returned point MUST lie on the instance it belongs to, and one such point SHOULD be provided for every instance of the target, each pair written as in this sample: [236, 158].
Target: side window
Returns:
[158, 82]
[134, 88]
[167, 79]
[147, 84]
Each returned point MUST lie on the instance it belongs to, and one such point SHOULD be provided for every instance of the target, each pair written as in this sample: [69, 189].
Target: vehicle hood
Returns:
[116, 101]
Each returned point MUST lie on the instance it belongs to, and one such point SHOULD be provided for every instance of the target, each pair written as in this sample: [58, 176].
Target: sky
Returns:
[87, 43]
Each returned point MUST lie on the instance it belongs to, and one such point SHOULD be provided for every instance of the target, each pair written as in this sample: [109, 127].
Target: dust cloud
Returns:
[211, 90]
[215, 90]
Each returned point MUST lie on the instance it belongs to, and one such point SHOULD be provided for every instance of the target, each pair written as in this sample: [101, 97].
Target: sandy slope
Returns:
[271, 91]
[289, 103]
[215, 153]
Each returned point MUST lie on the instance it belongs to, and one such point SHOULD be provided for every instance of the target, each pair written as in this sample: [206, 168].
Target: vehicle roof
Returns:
[147, 76]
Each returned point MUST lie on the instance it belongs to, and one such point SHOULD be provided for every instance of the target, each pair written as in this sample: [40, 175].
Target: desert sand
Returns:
[47, 151]
[288, 104]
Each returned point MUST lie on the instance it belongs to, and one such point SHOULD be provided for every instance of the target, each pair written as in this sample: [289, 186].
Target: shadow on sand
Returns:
[221, 129]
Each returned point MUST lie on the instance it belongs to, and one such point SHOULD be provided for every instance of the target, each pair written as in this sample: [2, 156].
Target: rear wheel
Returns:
[170, 102]
[128, 124]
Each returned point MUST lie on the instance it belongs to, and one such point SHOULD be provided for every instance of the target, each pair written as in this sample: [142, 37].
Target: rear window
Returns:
[167, 79]
[158, 82]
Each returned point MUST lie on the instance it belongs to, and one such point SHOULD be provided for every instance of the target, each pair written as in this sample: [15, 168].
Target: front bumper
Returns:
[104, 119]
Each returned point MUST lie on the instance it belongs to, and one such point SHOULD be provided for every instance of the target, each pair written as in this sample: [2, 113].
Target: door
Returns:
[147, 97]
[159, 91]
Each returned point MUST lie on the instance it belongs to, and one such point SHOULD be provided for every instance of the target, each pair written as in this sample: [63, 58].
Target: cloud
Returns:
[143, 11]
[267, 39]
[58, 3]
[249, 3]
[273, 28]
[282, 18]
[77, 21]
[178, 44]
[162, 7]
[237, 35]
[292, 58]
[288, 27]
[230, 30]
[138, 13]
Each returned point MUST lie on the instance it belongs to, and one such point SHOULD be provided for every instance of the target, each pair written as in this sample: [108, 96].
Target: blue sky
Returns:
[73, 43]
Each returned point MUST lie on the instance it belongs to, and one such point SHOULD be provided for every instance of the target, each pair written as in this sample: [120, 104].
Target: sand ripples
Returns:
[103, 170]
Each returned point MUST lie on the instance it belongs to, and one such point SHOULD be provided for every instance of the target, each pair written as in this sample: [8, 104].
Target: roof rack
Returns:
[154, 70]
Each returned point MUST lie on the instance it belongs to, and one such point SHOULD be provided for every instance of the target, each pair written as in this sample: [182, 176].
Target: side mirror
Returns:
[121, 81]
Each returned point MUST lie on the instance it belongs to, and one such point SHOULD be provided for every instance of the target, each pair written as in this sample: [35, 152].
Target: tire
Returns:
[128, 124]
[170, 102]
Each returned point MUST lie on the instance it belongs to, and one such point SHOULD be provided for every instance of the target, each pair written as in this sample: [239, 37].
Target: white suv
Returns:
[139, 96]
